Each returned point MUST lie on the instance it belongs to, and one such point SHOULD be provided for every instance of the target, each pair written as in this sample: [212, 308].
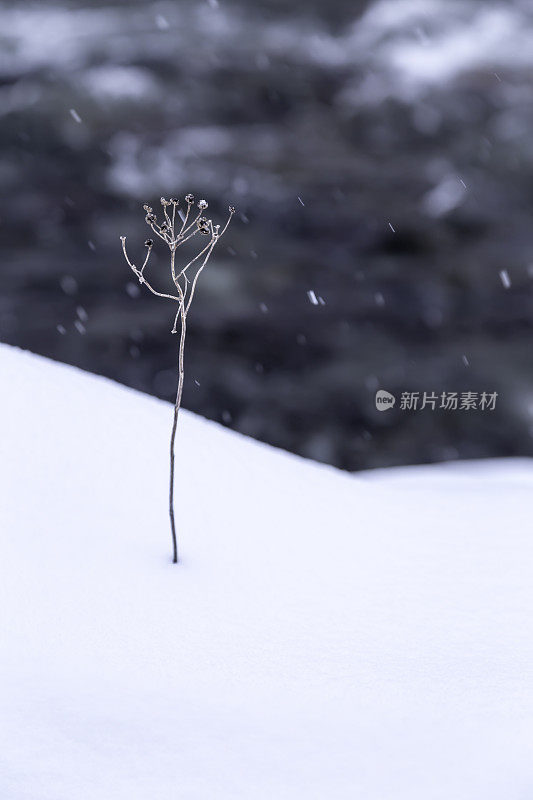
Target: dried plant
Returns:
[175, 232]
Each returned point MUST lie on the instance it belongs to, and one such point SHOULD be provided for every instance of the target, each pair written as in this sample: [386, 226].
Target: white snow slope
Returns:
[325, 636]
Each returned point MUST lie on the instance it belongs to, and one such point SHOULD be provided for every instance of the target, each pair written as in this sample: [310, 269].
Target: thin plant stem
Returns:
[184, 297]
[177, 406]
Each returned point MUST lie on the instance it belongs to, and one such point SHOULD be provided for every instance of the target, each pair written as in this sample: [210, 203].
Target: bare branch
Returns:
[189, 226]
[123, 240]
[139, 272]
[225, 228]
[185, 220]
[157, 231]
[146, 259]
[185, 293]
[142, 279]
[180, 241]
[192, 261]
[193, 286]
[164, 204]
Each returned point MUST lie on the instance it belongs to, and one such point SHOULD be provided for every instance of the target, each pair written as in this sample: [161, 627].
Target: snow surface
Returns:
[326, 636]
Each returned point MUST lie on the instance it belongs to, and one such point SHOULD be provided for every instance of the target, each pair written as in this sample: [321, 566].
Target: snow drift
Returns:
[325, 635]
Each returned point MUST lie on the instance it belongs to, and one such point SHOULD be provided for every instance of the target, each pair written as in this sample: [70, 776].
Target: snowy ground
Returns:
[325, 636]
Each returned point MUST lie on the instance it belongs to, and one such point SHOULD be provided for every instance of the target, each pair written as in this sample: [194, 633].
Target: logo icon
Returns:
[384, 400]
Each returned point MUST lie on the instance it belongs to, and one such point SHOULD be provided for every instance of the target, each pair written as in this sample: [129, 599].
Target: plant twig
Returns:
[166, 232]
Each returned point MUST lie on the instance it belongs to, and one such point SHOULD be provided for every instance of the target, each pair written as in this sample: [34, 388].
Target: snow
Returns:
[113, 82]
[505, 279]
[444, 197]
[412, 48]
[469, 36]
[324, 636]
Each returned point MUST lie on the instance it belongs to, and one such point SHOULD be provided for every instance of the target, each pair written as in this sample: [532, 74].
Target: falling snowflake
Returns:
[505, 279]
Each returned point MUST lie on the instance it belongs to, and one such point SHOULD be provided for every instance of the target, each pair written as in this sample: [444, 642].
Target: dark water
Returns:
[379, 157]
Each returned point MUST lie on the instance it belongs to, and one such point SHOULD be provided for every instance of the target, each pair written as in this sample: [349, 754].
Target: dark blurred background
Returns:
[380, 156]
